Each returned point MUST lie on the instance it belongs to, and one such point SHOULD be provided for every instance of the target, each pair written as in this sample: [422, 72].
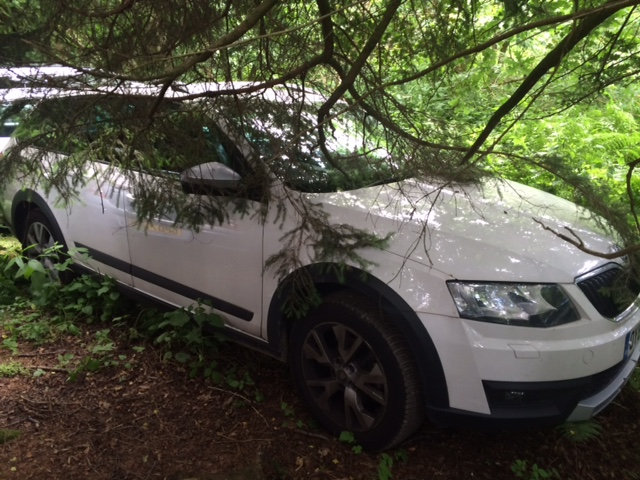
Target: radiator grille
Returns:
[610, 290]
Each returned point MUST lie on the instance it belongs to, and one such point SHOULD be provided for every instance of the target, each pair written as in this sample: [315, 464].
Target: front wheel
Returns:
[355, 371]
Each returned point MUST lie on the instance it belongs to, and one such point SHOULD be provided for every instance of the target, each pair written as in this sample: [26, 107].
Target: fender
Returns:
[329, 277]
[23, 201]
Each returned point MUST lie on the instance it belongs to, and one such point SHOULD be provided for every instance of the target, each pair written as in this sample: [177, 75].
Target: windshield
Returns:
[286, 137]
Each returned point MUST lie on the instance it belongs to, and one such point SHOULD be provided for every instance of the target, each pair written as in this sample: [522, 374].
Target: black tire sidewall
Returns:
[373, 329]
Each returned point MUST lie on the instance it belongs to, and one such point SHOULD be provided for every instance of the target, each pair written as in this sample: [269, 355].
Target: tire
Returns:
[38, 236]
[354, 370]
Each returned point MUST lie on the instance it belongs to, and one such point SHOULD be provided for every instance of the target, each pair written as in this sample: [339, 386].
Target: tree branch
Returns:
[632, 205]
[348, 80]
[359, 63]
[577, 242]
[613, 6]
[551, 60]
[247, 24]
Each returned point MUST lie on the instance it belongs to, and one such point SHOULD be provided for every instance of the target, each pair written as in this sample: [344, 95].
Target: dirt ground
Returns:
[146, 419]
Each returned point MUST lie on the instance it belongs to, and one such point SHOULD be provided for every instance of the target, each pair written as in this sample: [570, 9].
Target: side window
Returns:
[222, 150]
[58, 125]
[212, 145]
[184, 137]
[176, 137]
[216, 146]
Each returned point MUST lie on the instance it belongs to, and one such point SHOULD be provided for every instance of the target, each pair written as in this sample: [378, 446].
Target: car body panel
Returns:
[207, 260]
[493, 231]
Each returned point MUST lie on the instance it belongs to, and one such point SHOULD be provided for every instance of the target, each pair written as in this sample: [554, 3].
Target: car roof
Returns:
[38, 82]
[31, 75]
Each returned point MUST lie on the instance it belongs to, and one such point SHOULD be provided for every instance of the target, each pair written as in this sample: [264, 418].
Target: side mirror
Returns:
[210, 178]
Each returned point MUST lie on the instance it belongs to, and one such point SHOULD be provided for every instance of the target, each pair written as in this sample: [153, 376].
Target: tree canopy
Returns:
[540, 91]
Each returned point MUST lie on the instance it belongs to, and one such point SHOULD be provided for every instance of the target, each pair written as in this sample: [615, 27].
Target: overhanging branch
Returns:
[577, 242]
[583, 28]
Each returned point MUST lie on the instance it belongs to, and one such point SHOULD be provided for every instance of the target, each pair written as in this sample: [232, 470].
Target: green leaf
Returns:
[182, 357]
[36, 266]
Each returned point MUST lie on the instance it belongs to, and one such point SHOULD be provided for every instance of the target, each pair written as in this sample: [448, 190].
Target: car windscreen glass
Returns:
[286, 138]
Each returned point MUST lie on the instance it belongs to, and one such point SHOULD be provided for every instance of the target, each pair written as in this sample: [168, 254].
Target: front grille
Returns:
[610, 290]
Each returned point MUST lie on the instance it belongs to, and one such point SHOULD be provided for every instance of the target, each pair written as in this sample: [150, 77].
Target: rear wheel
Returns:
[38, 239]
[355, 371]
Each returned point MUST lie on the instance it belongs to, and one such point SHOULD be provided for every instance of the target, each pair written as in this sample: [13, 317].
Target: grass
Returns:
[12, 369]
[7, 435]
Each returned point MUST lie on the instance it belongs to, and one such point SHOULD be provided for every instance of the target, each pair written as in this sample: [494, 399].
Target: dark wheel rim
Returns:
[344, 376]
[41, 239]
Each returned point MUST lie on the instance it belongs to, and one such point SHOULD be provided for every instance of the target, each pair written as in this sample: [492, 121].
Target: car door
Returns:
[96, 222]
[222, 261]
[93, 218]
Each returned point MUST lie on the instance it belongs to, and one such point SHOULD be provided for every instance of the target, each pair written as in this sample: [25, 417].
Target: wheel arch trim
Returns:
[27, 197]
[327, 277]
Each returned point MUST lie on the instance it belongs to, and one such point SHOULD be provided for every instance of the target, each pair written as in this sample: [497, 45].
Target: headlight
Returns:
[528, 305]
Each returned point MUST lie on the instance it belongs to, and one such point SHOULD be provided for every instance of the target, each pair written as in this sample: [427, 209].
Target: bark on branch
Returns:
[553, 59]
[632, 204]
[348, 79]
[577, 242]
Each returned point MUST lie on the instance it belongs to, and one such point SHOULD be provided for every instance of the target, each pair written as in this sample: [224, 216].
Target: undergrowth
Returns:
[37, 307]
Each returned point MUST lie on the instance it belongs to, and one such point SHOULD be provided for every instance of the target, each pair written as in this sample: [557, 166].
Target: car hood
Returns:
[494, 230]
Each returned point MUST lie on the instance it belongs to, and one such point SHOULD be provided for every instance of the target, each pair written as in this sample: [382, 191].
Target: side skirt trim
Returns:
[168, 284]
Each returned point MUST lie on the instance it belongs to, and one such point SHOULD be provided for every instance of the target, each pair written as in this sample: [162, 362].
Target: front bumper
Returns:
[539, 404]
[570, 373]
[592, 405]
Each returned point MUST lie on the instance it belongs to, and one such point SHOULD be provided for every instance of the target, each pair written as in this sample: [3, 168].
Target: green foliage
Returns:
[190, 336]
[521, 469]
[193, 337]
[350, 439]
[84, 296]
[385, 466]
[579, 432]
[238, 380]
[9, 248]
[44, 308]
[634, 381]
[41, 307]
[387, 461]
[6, 435]
[102, 354]
[582, 153]
[290, 414]
[12, 369]
[65, 359]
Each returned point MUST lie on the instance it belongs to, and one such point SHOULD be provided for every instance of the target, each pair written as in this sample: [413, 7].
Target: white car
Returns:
[471, 312]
